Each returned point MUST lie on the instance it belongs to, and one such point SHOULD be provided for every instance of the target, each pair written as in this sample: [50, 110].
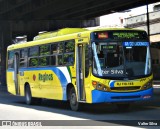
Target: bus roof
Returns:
[60, 32]
[67, 33]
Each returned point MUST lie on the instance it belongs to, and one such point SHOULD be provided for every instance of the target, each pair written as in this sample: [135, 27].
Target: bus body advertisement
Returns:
[83, 66]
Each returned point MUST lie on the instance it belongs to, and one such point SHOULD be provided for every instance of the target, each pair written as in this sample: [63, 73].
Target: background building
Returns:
[140, 22]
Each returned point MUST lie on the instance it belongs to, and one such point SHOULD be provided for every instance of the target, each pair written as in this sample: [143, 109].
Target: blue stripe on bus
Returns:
[62, 79]
[102, 96]
[58, 72]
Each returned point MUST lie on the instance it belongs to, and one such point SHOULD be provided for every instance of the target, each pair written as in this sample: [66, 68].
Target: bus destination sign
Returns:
[117, 35]
[125, 35]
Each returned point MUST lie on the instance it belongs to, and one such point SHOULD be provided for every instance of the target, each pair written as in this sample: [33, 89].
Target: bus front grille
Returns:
[125, 88]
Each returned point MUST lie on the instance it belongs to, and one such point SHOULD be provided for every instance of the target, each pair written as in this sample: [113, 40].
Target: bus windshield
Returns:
[121, 59]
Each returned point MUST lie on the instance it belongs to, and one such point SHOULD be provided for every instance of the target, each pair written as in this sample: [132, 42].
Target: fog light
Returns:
[105, 89]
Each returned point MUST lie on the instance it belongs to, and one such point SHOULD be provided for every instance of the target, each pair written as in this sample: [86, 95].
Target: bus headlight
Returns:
[147, 85]
[99, 86]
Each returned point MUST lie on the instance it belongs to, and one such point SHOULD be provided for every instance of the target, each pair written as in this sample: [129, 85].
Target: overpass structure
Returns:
[63, 9]
[27, 17]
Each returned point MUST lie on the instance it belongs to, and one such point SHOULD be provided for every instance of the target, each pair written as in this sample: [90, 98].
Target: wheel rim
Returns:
[73, 99]
[27, 97]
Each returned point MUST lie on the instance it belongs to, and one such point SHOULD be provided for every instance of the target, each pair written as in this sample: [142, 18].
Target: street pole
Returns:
[148, 26]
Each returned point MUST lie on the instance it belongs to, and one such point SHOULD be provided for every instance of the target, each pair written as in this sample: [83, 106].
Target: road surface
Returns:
[58, 114]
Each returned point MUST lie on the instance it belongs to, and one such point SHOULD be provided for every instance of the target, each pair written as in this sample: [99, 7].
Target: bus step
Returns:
[82, 101]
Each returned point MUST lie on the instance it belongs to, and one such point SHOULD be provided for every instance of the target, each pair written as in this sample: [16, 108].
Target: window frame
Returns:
[25, 56]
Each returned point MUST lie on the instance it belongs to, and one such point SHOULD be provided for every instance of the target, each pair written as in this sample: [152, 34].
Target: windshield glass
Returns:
[121, 59]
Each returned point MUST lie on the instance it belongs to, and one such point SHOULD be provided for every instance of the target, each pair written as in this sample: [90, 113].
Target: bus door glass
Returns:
[80, 71]
[16, 71]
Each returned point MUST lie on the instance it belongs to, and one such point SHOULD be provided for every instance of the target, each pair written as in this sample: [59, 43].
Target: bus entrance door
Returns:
[16, 75]
[80, 68]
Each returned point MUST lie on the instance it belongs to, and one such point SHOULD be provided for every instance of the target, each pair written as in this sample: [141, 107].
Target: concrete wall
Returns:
[140, 22]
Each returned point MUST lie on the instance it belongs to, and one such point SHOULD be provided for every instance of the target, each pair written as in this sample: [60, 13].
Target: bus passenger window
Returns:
[44, 61]
[60, 48]
[23, 58]
[53, 60]
[33, 62]
[10, 59]
[44, 50]
[54, 49]
[69, 46]
[86, 61]
[33, 51]
[60, 59]
[68, 59]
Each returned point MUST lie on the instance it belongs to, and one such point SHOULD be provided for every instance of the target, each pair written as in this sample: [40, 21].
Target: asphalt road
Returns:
[59, 114]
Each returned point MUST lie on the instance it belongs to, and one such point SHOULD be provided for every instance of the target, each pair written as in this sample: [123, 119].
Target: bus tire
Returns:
[74, 104]
[29, 99]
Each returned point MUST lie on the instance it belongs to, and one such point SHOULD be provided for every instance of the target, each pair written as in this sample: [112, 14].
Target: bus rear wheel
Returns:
[74, 104]
[29, 99]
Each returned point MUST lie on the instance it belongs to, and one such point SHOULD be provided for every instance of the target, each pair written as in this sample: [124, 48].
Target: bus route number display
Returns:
[131, 44]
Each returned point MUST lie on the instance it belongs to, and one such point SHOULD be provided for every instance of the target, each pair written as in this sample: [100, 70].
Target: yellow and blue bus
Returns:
[105, 65]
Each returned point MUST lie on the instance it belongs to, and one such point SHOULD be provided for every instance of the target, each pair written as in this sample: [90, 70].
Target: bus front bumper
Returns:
[101, 96]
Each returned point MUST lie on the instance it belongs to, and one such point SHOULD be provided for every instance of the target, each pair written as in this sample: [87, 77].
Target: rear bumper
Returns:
[100, 96]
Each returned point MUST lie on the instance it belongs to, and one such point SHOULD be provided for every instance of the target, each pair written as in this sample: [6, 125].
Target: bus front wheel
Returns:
[29, 99]
[74, 104]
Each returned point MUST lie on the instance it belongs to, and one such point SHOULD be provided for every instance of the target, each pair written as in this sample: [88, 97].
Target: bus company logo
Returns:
[45, 77]
[34, 77]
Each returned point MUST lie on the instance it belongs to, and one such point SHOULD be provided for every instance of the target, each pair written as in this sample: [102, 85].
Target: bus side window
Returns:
[33, 62]
[54, 49]
[86, 60]
[60, 47]
[23, 58]
[33, 51]
[33, 56]
[44, 50]
[44, 61]
[10, 59]
[60, 59]
[53, 60]
[69, 48]
[60, 53]
[68, 59]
